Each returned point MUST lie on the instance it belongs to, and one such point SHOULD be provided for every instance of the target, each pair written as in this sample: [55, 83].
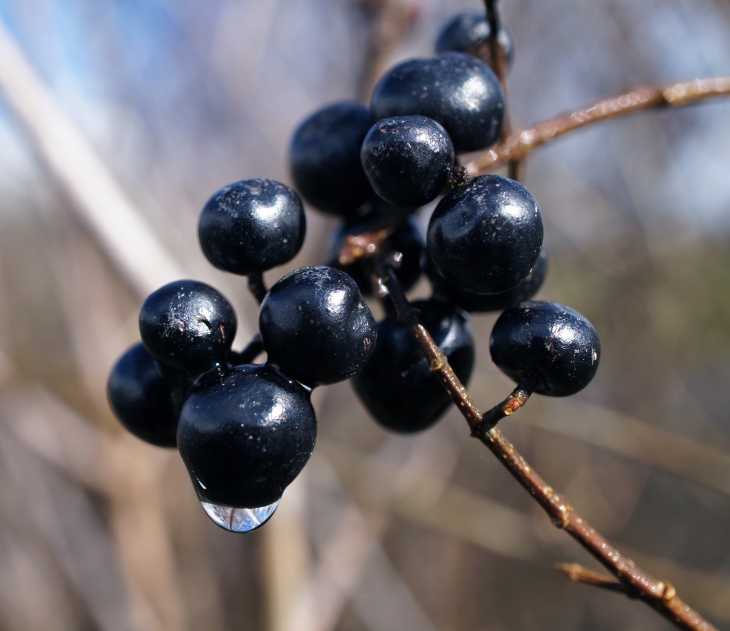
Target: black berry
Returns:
[146, 399]
[325, 158]
[407, 159]
[455, 89]
[397, 385]
[483, 303]
[316, 327]
[485, 236]
[187, 325]
[548, 341]
[405, 238]
[467, 32]
[246, 436]
[252, 226]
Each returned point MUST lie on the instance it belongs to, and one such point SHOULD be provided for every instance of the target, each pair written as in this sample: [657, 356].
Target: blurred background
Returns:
[119, 118]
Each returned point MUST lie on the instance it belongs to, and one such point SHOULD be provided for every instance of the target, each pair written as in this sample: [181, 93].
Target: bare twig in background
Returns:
[658, 594]
[521, 143]
[341, 563]
[633, 439]
[355, 543]
[487, 523]
[103, 205]
[387, 22]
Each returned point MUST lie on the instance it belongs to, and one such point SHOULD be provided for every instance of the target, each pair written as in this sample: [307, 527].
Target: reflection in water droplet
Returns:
[239, 519]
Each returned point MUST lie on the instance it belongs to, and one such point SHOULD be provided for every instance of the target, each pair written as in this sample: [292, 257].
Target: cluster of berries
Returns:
[246, 430]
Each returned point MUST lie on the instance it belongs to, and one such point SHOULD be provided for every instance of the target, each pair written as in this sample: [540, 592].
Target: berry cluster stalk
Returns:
[257, 286]
[638, 584]
[498, 63]
[520, 144]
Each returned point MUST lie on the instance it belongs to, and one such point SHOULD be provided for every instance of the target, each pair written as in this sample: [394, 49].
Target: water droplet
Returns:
[239, 519]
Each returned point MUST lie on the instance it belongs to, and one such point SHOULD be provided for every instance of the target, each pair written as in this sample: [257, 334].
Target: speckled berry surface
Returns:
[252, 226]
[316, 327]
[187, 325]
[407, 159]
[486, 235]
[245, 436]
[548, 341]
[455, 89]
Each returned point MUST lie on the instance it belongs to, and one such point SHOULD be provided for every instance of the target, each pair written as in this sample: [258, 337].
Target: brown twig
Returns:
[359, 246]
[387, 22]
[509, 406]
[257, 286]
[520, 144]
[658, 594]
[578, 574]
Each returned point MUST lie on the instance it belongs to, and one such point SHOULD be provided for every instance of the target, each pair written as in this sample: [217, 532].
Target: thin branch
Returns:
[521, 144]
[658, 594]
[578, 574]
[509, 406]
[358, 246]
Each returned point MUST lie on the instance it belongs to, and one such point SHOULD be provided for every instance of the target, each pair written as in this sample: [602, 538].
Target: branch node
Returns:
[563, 514]
[436, 364]
[669, 593]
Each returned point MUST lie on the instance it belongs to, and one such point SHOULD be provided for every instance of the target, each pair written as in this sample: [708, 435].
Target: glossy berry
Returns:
[397, 385]
[246, 436]
[486, 235]
[483, 303]
[325, 158]
[146, 399]
[467, 32]
[316, 327]
[407, 159]
[548, 341]
[455, 89]
[405, 238]
[252, 226]
[187, 325]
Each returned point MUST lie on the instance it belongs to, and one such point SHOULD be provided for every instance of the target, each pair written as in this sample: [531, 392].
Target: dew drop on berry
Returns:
[239, 519]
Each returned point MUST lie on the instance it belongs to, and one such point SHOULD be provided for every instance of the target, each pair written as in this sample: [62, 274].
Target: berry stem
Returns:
[637, 583]
[509, 406]
[522, 143]
[578, 574]
[257, 286]
[498, 61]
[358, 246]
[252, 350]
